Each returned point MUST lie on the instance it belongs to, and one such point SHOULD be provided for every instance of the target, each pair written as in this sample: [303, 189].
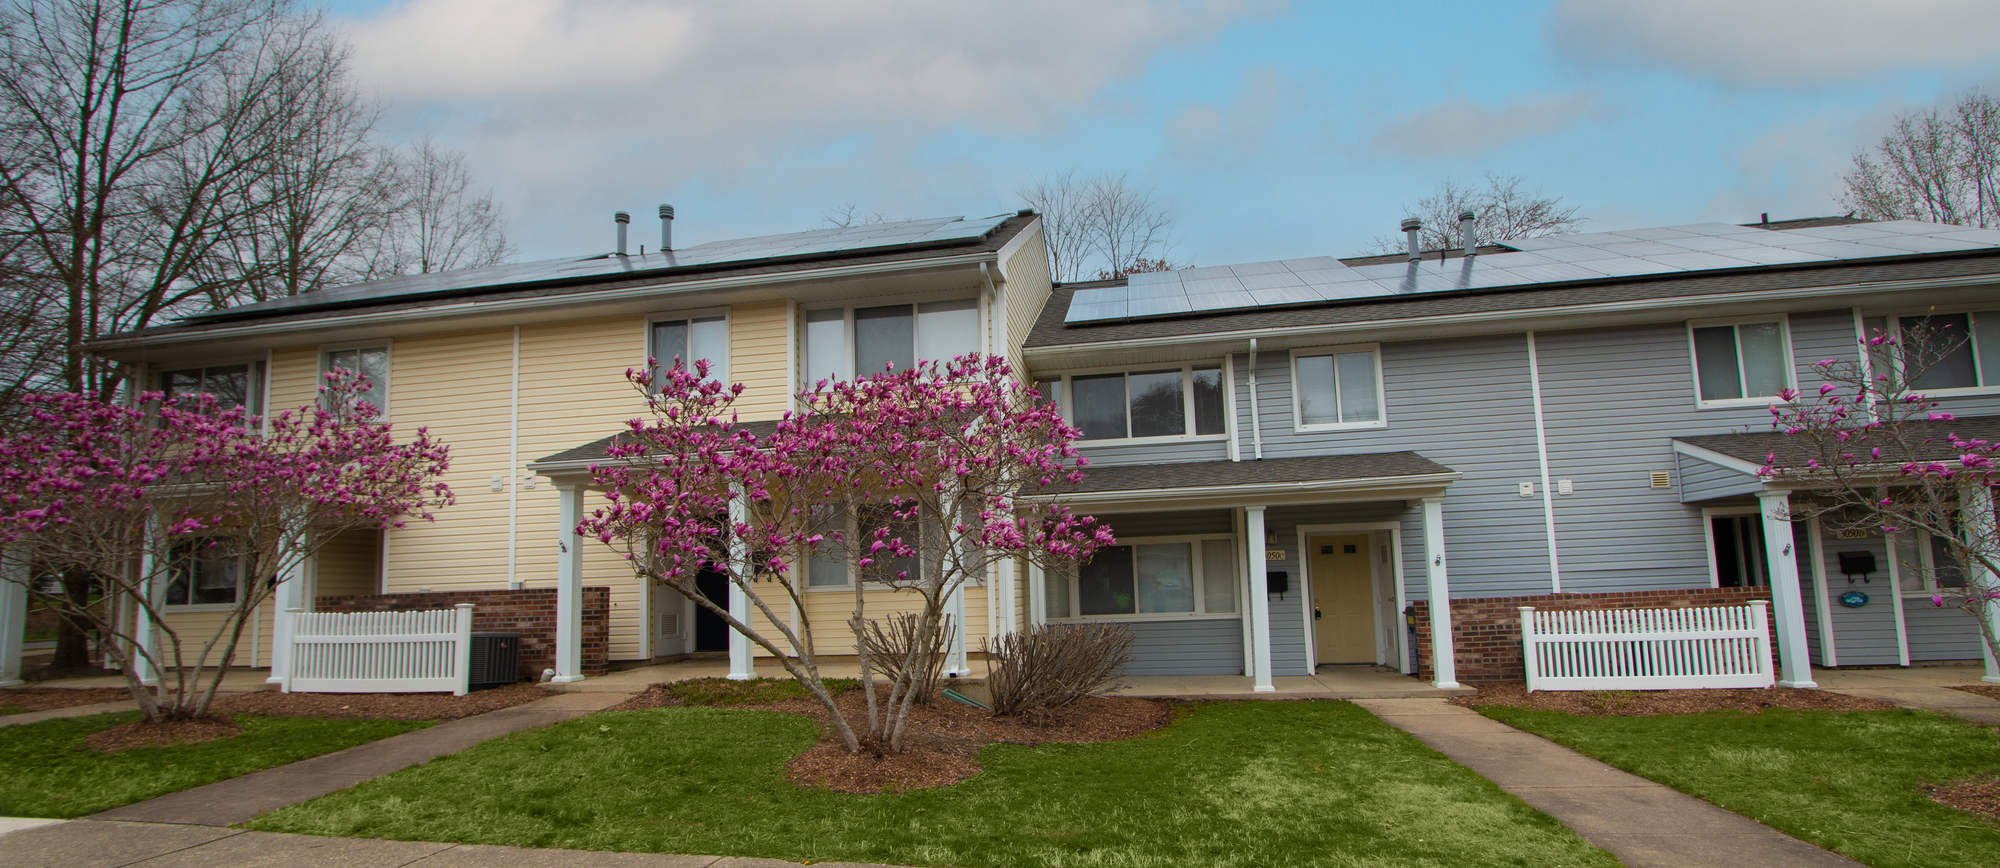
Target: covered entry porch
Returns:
[1258, 571]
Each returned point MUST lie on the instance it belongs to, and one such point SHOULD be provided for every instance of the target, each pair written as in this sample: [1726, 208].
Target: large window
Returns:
[1974, 340]
[1925, 566]
[373, 363]
[1185, 401]
[1150, 578]
[204, 575]
[845, 342]
[689, 341]
[1740, 361]
[232, 385]
[1340, 387]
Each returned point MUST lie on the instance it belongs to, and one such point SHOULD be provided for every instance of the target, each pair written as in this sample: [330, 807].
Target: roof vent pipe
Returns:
[622, 218]
[666, 228]
[1411, 226]
[1466, 231]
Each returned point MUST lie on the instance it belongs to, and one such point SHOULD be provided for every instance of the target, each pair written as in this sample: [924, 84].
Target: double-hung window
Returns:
[845, 342]
[1185, 401]
[373, 363]
[1166, 577]
[1925, 565]
[1743, 362]
[204, 575]
[1337, 387]
[232, 385]
[1960, 350]
[689, 340]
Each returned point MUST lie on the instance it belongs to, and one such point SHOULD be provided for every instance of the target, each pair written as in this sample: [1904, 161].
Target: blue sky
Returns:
[1270, 130]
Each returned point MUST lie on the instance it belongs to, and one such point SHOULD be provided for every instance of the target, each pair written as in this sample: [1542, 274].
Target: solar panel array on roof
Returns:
[839, 240]
[1598, 255]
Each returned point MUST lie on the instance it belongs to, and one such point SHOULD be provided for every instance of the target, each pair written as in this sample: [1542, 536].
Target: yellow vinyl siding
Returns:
[760, 357]
[1027, 291]
[294, 378]
[196, 628]
[349, 564]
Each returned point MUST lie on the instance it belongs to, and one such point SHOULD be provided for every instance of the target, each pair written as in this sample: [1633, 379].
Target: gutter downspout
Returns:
[1542, 453]
[514, 465]
[1256, 428]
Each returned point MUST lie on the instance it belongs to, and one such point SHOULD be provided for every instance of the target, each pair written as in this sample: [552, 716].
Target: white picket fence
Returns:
[380, 652]
[1647, 649]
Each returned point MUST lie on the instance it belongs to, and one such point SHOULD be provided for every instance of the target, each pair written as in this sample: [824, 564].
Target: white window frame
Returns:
[1381, 392]
[728, 326]
[260, 397]
[847, 307]
[1926, 561]
[242, 587]
[1892, 322]
[387, 345]
[1068, 404]
[1200, 613]
[1784, 322]
[1708, 516]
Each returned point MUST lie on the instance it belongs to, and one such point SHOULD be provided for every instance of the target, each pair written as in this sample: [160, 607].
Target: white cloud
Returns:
[1463, 127]
[1205, 133]
[1779, 43]
[562, 104]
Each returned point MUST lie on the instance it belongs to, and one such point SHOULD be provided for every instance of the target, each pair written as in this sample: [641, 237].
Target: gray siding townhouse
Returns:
[1551, 422]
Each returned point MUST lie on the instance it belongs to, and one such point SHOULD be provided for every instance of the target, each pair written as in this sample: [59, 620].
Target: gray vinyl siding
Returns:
[1207, 647]
[1809, 600]
[1864, 636]
[1940, 633]
[1140, 524]
[1162, 452]
[1700, 480]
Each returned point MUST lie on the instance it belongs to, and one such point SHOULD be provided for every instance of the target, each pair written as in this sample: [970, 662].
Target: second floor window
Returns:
[842, 343]
[691, 340]
[232, 385]
[1188, 401]
[1973, 340]
[373, 363]
[1740, 361]
[1338, 387]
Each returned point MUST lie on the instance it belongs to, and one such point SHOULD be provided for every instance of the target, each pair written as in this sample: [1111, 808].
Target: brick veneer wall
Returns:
[530, 612]
[1486, 632]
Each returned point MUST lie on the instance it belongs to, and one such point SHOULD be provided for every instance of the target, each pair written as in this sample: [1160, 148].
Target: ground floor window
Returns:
[1737, 551]
[1924, 564]
[204, 575]
[1164, 577]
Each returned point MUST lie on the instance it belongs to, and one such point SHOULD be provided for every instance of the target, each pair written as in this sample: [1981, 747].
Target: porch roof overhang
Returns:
[1736, 459]
[1269, 482]
[572, 466]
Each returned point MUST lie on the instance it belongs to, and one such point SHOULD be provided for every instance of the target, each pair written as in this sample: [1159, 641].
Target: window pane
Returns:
[1218, 576]
[230, 385]
[889, 567]
[1715, 363]
[1098, 406]
[883, 337]
[1949, 572]
[827, 567]
[1954, 369]
[708, 339]
[181, 384]
[1763, 347]
[1157, 405]
[947, 329]
[1210, 416]
[1051, 391]
[1166, 578]
[215, 579]
[1909, 567]
[1317, 402]
[1055, 593]
[670, 345]
[1986, 333]
[1357, 388]
[826, 346]
[1104, 583]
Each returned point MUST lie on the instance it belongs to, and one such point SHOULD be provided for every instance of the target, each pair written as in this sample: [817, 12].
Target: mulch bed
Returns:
[1646, 703]
[378, 706]
[1990, 691]
[943, 738]
[1978, 795]
[164, 734]
[23, 699]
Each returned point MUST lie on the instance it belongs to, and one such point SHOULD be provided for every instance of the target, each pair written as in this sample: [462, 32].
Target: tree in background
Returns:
[1936, 165]
[1099, 225]
[849, 214]
[908, 480]
[441, 221]
[174, 498]
[1505, 211]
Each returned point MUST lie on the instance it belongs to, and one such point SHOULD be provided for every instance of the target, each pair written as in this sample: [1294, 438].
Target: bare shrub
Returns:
[900, 645]
[1050, 666]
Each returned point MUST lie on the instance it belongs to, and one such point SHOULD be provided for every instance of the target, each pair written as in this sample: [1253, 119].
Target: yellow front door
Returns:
[1343, 596]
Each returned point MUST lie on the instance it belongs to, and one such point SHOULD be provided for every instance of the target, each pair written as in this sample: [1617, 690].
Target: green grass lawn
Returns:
[45, 771]
[1231, 784]
[1844, 780]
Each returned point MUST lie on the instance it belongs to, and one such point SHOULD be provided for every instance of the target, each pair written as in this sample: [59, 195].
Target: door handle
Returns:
[1315, 610]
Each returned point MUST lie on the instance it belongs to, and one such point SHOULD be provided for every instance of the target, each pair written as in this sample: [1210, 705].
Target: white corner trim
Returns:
[1542, 455]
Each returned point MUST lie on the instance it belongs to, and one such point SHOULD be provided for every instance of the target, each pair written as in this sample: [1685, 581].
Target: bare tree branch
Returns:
[1936, 165]
[1505, 212]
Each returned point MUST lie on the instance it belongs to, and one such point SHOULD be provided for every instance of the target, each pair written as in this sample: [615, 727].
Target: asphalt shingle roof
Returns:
[1210, 474]
[1932, 440]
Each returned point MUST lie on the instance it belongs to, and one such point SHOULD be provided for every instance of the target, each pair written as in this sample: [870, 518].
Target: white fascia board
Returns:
[1716, 458]
[1375, 488]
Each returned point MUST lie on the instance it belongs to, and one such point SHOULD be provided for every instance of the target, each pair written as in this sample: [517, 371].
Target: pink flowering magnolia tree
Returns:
[917, 481]
[1869, 450]
[160, 500]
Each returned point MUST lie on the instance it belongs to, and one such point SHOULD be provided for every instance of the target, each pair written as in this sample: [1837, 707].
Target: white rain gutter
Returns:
[1542, 453]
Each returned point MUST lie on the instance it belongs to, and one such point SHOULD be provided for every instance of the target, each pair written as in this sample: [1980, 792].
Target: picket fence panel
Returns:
[1647, 649]
[380, 652]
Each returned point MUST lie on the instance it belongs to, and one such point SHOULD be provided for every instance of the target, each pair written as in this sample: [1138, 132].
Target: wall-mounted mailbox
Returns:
[1278, 582]
[1857, 563]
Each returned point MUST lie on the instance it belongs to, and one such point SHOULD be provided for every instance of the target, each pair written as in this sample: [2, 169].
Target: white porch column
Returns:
[145, 637]
[569, 585]
[1260, 602]
[14, 578]
[290, 593]
[1787, 606]
[1444, 662]
[1038, 613]
[954, 661]
[742, 667]
[1975, 514]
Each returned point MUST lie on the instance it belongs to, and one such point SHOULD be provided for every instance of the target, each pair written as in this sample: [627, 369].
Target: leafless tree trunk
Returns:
[1100, 226]
[1505, 212]
[1936, 165]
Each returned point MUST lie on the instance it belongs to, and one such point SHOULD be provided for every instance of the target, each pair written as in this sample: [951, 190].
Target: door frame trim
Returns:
[1375, 576]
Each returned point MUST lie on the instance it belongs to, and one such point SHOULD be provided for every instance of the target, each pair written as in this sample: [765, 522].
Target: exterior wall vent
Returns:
[1662, 480]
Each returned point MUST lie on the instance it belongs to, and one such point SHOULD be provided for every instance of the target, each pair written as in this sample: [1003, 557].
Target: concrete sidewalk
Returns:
[239, 799]
[1926, 687]
[99, 844]
[1644, 824]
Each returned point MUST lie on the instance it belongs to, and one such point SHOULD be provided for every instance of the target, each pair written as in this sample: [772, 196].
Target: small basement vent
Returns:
[670, 623]
[496, 660]
[1662, 480]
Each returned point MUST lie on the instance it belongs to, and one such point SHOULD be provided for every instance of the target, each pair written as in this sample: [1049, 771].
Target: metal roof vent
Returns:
[623, 219]
[666, 228]
[1466, 231]
[1411, 226]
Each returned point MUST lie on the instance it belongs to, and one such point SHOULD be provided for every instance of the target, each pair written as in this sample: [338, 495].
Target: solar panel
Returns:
[1562, 258]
